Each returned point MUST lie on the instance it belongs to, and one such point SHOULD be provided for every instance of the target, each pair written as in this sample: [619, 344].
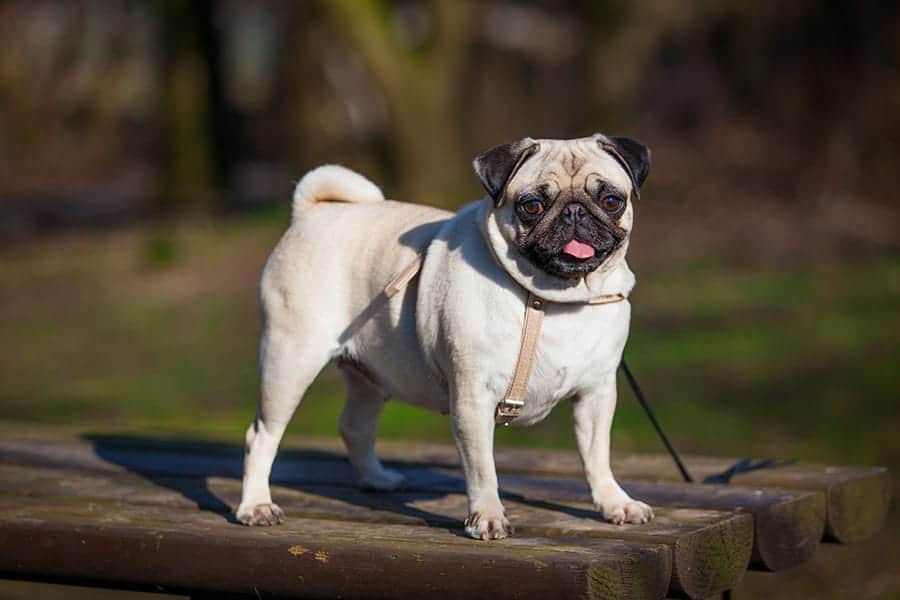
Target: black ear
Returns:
[497, 166]
[633, 155]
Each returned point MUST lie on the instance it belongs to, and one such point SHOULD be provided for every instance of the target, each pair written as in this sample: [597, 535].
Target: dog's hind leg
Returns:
[288, 363]
[365, 401]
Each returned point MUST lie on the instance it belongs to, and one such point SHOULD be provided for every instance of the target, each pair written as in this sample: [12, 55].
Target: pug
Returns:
[427, 306]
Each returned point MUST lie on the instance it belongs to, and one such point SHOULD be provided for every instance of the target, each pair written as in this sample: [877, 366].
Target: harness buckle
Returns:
[507, 410]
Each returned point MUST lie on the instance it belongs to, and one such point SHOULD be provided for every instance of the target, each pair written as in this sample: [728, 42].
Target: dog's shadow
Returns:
[186, 467]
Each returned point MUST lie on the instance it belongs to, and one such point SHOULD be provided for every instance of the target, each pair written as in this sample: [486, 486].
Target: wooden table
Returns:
[156, 514]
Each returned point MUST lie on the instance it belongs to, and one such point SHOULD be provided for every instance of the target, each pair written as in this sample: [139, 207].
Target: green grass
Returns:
[154, 329]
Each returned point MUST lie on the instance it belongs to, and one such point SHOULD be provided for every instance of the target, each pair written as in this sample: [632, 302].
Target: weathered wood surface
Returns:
[788, 524]
[703, 532]
[708, 550]
[170, 549]
[856, 498]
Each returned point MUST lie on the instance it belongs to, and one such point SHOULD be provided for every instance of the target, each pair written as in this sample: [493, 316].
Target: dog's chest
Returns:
[577, 347]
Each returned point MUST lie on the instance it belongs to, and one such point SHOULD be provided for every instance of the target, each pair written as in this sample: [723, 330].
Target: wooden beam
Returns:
[709, 550]
[788, 524]
[178, 550]
[857, 498]
[785, 517]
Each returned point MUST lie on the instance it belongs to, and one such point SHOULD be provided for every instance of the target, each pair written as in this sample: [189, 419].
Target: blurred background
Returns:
[148, 151]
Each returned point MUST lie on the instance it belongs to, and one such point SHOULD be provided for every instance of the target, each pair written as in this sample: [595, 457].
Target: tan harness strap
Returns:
[514, 399]
[512, 403]
[406, 275]
[607, 299]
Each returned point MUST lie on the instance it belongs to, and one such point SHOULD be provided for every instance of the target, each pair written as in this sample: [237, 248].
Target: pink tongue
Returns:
[578, 249]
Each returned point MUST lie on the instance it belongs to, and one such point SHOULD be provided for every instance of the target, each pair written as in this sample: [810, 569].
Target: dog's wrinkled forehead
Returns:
[618, 162]
[562, 165]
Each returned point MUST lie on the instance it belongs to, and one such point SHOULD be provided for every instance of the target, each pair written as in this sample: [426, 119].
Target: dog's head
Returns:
[565, 205]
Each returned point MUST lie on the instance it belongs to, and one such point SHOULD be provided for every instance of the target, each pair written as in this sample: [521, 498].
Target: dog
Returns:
[554, 226]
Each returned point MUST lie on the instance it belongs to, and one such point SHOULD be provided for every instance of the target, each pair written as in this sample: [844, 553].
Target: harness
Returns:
[514, 399]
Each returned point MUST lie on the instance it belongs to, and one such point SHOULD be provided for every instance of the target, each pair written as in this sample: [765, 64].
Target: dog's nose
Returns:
[573, 211]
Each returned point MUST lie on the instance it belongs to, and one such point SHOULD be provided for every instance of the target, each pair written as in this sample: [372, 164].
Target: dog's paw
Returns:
[626, 511]
[260, 514]
[382, 481]
[484, 526]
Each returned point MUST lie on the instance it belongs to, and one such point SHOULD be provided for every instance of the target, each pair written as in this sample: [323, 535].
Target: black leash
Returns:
[652, 416]
[744, 465]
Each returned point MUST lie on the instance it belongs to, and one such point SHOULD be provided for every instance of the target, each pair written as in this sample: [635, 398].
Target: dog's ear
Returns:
[631, 154]
[497, 166]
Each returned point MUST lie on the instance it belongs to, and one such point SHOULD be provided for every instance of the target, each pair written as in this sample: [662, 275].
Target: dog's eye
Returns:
[532, 207]
[611, 204]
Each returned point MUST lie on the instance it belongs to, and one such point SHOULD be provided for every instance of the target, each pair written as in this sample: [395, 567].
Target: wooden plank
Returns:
[709, 550]
[788, 525]
[181, 550]
[856, 498]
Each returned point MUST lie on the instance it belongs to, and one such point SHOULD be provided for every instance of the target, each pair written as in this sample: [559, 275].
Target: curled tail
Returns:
[333, 183]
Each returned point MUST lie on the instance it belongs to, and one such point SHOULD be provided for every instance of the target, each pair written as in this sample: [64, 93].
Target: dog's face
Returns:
[566, 205]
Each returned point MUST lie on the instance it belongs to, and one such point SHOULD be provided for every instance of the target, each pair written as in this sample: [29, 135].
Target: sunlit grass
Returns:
[157, 329]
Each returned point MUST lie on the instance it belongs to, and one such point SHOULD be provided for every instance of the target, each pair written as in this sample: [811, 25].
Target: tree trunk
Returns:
[419, 85]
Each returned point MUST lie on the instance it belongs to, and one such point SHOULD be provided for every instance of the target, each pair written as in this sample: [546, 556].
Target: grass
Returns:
[156, 328]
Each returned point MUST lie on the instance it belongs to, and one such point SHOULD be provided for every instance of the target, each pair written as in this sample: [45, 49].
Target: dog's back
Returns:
[344, 232]
[325, 280]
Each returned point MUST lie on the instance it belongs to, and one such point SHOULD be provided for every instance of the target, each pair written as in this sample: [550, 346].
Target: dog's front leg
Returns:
[473, 430]
[593, 414]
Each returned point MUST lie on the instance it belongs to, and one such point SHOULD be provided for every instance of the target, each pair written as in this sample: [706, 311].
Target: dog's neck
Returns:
[612, 277]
